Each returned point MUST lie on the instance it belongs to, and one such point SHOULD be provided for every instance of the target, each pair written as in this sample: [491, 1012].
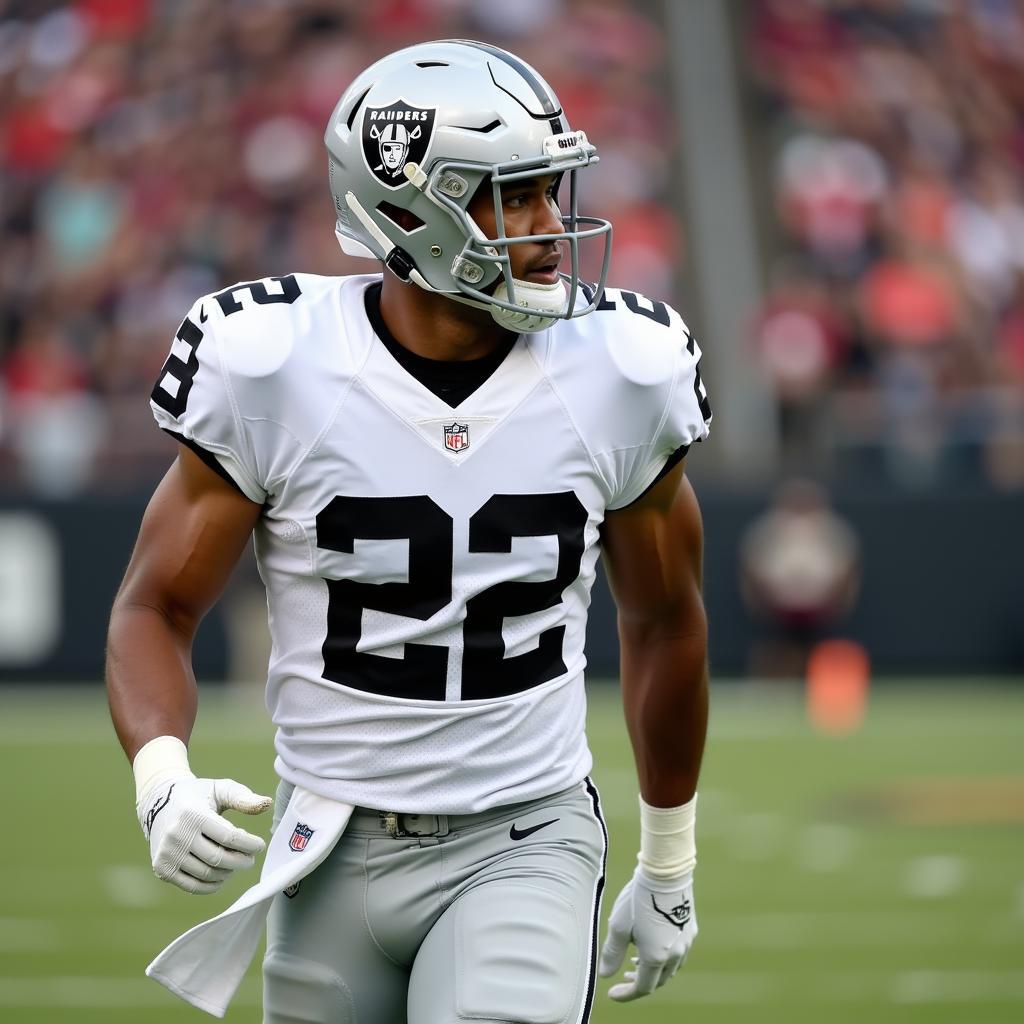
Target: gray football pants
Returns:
[491, 917]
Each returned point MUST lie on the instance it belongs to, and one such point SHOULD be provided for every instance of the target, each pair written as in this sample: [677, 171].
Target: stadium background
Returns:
[831, 193]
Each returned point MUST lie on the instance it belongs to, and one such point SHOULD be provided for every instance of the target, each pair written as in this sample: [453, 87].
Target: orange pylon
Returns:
[838, 678]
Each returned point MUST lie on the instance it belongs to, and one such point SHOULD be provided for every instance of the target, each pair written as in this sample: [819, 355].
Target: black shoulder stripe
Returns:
[670, 463]
[208, 457]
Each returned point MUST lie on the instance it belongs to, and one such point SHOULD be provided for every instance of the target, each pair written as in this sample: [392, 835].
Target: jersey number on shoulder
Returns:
[659, 314]
[634, 303]
[177, 375]
[422, 672]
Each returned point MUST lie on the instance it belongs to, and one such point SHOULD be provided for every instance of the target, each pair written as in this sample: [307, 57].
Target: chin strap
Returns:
[535, 300]
[395, 258]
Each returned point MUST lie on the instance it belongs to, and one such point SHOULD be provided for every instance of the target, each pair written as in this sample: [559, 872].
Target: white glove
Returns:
[660, 920]
[190, 844]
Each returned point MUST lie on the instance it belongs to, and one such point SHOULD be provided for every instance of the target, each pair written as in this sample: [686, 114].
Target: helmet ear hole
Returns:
[404, 220]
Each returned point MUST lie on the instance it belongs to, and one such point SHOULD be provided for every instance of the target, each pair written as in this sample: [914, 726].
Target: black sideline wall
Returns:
[942, 591]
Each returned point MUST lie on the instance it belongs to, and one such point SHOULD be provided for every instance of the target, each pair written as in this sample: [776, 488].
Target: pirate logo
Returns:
[677, 915]
[394, 136]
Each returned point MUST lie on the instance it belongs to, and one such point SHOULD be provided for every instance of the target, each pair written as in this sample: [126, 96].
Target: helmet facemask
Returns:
[516, 304]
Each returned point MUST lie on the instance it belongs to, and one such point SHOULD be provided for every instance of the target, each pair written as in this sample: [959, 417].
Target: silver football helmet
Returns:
[411, 141]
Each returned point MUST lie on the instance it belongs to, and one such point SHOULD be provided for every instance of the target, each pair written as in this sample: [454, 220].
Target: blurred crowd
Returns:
[155, 150]
[891, 141]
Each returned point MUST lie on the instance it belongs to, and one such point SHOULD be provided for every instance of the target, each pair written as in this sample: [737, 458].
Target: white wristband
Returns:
[161, 758]
[668, 848]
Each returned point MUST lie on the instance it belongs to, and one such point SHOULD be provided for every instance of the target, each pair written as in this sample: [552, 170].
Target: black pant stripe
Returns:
[588, 1003]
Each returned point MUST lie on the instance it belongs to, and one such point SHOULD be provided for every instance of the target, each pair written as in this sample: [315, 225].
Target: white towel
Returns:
[205, 965]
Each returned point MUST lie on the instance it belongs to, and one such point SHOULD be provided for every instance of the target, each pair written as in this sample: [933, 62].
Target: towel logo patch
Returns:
[300, 837]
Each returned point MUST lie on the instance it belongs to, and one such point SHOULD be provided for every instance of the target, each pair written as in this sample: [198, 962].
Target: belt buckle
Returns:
[438, 825]
[400, 826]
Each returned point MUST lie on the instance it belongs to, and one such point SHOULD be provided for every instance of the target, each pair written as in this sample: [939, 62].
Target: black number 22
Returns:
[422, 672]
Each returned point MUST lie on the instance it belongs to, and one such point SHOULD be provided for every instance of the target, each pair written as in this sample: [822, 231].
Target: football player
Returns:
[431, 460]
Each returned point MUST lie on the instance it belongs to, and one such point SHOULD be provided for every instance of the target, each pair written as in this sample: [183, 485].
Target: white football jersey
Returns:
[428, 569]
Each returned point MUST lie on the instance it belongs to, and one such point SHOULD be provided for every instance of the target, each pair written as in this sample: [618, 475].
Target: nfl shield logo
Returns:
[300, 838]
[456, 437]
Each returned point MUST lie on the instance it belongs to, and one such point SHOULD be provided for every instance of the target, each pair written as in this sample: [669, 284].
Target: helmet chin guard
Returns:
[411, 142]
[533, 300]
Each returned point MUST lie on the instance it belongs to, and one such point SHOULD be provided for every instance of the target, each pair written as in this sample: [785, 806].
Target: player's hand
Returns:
[660, 920]
[190, 844]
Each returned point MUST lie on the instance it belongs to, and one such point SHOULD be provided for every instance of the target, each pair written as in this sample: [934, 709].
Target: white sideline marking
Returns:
[828, 929]
[89, 734]
[763, 931]
[868, 988]
[710, 988]
[935, 877]
[723, 987]
[958, 986]
[719, 988]
[825, 848]
[98, 993]
[131, 885]
[28, 934]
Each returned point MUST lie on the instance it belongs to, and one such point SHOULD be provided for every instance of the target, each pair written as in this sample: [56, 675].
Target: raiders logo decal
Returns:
[393, 136]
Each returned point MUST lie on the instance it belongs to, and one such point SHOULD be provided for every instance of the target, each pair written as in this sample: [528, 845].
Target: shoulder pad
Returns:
[251, 319]
[641, 338]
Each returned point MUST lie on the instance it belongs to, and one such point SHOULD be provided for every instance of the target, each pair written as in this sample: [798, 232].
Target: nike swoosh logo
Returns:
[515, 833]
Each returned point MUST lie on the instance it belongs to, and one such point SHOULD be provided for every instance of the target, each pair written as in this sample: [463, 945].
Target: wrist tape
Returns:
[162, 758]
[668, 846]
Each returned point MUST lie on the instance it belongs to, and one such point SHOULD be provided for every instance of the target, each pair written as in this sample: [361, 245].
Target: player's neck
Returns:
[436, 327]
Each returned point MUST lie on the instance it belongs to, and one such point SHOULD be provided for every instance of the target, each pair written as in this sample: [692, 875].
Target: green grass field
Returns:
[878, 876]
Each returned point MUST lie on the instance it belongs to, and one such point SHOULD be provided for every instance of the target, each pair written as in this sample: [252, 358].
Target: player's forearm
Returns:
[665, 696]
[150, 684]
